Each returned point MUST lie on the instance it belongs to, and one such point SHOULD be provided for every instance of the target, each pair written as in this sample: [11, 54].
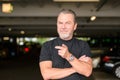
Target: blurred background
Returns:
[26, 24]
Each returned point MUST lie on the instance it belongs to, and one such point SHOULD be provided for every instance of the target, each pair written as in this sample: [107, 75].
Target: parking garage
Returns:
[30, 23]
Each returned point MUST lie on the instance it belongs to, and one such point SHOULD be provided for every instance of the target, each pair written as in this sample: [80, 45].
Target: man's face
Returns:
[66, 26]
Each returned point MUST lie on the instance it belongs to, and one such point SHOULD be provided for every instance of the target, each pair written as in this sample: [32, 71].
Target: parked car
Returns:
[96, 52]
[110, 61]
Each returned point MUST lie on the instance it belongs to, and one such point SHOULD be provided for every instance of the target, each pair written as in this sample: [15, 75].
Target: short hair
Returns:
[68, 11]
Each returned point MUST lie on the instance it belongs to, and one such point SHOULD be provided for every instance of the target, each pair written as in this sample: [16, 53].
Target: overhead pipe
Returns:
[101, 4]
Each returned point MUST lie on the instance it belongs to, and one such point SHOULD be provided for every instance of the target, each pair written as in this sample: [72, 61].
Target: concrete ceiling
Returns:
[38, 18]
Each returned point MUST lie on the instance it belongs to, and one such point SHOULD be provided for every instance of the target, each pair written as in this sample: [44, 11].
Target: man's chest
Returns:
[58, 61]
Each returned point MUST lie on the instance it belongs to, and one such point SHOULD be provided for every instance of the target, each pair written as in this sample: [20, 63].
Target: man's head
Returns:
[66, 24]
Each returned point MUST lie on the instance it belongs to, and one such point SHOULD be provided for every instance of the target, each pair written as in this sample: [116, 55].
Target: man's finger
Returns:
[82, 56]
[64, 45]
[58, 47]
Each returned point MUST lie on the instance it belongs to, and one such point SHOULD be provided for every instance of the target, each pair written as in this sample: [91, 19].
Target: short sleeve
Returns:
[45, 52]
[86, 49]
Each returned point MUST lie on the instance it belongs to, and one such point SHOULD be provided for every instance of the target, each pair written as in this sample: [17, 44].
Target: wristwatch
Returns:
[71, 58]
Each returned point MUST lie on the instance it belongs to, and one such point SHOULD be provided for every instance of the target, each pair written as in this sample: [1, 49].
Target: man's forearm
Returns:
[57, 73]
[82, 67]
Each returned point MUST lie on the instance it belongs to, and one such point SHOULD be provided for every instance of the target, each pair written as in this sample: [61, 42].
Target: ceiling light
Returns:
[7, 8]
[6, 0]
[9, 29]
[76, 0]
[92, 18]
[5, 38]
[22, 32]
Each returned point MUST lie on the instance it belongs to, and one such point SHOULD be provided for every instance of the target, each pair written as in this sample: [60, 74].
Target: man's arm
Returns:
[83, 65]
[54, 73]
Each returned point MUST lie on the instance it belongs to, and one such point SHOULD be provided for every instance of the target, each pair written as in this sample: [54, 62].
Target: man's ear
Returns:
[75, 27]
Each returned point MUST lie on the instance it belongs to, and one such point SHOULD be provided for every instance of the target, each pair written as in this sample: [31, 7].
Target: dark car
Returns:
[110, 61]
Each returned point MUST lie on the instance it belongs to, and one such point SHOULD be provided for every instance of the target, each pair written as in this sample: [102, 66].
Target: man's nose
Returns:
[64, 26]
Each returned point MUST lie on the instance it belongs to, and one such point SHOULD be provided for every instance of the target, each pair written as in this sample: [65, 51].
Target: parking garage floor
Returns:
[27, 68]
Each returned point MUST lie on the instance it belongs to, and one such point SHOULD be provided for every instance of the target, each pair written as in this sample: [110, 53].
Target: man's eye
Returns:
[60, 22]
[68, 23]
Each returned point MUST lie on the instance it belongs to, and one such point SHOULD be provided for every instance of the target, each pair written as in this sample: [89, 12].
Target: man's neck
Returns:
[66, 39]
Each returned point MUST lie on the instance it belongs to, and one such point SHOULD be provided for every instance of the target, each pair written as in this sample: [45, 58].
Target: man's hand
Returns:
[63, 51]
[84, 58]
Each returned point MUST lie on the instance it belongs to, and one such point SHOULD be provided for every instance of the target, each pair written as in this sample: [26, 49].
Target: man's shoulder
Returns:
[79, 41]
[51, 41]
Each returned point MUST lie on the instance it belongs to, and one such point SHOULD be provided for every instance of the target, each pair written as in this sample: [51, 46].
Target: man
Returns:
[65, 58]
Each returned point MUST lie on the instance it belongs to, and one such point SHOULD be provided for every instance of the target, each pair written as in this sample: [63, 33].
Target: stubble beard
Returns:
[65, 36]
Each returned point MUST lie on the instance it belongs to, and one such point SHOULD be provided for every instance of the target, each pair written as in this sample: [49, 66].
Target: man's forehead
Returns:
[65, 15]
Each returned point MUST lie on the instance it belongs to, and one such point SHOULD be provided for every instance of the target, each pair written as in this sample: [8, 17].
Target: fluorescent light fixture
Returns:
[7, 8]
[76, 0]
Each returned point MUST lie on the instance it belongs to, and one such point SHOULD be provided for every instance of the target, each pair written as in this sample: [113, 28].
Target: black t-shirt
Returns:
[75, 46]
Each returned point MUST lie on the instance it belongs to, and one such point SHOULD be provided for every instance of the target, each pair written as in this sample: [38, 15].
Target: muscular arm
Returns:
[54, 73]
[83, 65]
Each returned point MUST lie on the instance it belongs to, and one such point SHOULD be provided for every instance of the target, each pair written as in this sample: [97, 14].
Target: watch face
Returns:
[71, 58]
